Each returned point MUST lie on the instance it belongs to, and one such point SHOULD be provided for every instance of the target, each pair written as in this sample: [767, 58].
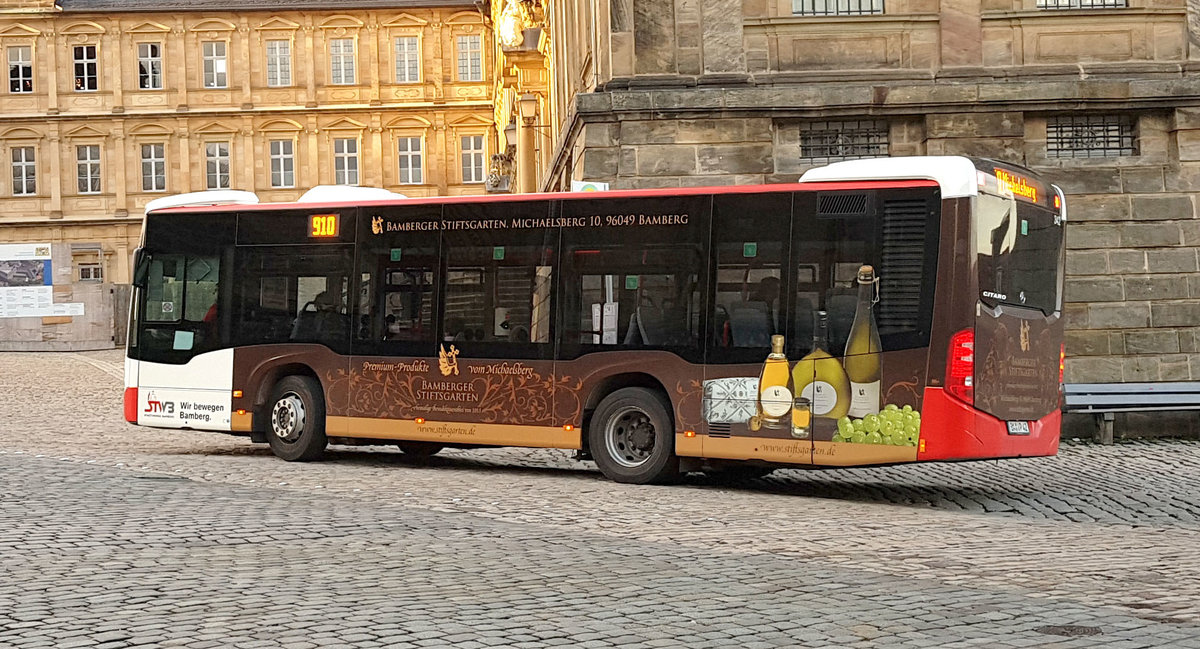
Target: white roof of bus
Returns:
[198, 199]
[956, 175]
[346, 193]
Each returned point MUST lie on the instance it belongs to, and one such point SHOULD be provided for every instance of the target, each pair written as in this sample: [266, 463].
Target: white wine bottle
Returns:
[820, 378]
[862, 349]
[774, 389]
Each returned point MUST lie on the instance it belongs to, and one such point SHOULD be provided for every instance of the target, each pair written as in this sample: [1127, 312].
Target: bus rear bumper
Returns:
[953, 430]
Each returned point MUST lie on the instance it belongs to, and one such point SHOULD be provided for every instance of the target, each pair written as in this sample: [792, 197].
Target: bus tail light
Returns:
[1062, 361]
[960, 367]
[131, 405]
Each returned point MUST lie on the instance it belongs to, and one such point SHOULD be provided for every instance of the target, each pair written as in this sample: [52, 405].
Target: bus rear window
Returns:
[1019, 252]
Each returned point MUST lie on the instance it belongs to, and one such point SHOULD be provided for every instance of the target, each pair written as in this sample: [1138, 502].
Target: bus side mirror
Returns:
[141, 267]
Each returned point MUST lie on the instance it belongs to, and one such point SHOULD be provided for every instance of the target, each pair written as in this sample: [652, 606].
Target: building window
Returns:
[408, 59]
[470, 58]
[846, 140]
[24, 171]
[215, 71]
[279, 63]
[86, 72]
[341, 61]
[1082, 4]
[283, 164]
[836, 7]
[90, 272]
[150, 66]
[154, 168]
[20, 69]
[472, 159]
[345, 161]
[1090, 136]
[87, 166]
[216, 163]
[411, 168]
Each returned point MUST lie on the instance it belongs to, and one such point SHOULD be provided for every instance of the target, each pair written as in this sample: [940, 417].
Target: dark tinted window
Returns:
[636, 274]
[498, 279]
[182, 307]
[1019, 248]
[398, 276]
[179, 313]
[749, 237]
[894, 231]
[293, 294]
[835, 234]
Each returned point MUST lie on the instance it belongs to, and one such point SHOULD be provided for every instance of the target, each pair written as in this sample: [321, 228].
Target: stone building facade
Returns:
[108, 104]
[1102, 96]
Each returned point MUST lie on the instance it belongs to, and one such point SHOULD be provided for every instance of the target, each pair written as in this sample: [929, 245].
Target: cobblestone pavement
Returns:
[196, 539]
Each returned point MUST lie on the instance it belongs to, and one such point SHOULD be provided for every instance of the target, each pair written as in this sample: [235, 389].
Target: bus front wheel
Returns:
[632, 439]
[296, 419]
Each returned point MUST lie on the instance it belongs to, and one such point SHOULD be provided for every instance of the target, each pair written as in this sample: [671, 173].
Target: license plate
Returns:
[1018, 428]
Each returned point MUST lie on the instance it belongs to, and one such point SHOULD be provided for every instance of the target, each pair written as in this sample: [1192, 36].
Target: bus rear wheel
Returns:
[632, 439]
[296, 419]
[419, 450]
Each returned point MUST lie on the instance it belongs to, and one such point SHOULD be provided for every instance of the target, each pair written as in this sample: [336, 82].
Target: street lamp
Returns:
[527, 108]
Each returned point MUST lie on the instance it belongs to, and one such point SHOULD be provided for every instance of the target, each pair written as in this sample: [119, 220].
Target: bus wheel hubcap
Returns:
[287, 417]
[630, 437]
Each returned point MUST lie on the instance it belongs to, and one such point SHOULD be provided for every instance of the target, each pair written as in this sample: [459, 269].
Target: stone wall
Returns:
[1133, 286]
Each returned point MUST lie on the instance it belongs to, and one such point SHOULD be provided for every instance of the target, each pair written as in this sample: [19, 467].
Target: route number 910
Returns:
[323, 225]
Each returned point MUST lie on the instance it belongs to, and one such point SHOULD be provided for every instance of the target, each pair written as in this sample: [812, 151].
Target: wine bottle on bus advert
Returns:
[862, 359]
[819, 377]
[775, 389]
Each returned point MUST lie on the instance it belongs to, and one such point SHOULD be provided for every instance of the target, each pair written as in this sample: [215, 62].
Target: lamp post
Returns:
[527, 108]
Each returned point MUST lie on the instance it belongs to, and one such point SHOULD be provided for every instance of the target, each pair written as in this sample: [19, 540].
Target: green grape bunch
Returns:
[893, 426]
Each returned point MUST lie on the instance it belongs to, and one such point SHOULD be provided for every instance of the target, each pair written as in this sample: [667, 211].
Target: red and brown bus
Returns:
[879, 311]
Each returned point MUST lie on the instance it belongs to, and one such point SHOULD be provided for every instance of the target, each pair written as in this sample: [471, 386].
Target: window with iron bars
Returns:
[1082, 4]
[822, 142]
[836, 7]
[1090, 136]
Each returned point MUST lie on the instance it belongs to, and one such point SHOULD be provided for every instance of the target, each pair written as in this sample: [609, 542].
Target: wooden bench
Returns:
[1104, 400]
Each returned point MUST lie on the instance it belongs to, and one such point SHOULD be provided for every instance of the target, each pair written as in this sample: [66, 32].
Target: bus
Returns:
[878, 311]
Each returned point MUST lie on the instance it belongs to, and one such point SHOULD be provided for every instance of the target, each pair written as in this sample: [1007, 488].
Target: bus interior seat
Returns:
[724, 337]
[632, 334]
[647, 326]
[841, 317]
[804, 323]
[750, 324]
[322, 322]
[651, 324]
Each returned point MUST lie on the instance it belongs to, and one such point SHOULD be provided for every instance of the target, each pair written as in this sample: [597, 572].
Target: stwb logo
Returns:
[156, 407]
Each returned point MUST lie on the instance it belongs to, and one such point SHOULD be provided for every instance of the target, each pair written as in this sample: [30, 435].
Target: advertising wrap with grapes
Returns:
[860, 407]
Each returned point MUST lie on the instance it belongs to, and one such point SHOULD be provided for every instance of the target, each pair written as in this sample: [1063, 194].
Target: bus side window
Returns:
[498, 294]
[827, 250]
[748, 248]
[293, 295]
[642, 296]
